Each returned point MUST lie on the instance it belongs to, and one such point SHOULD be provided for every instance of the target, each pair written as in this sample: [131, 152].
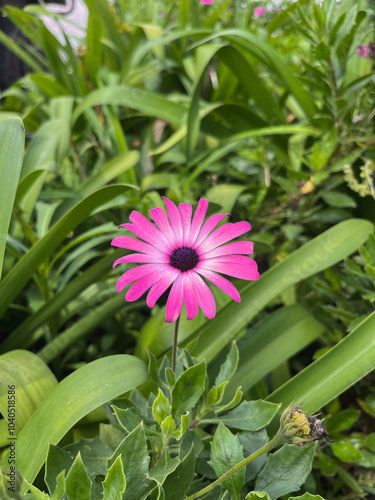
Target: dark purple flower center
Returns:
[184, 258]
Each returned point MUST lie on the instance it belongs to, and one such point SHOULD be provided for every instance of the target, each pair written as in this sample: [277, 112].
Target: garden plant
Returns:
[148, 348]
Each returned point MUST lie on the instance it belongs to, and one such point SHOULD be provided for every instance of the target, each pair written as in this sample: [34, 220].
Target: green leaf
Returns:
[58, 460]
[226, 452]
[177, 483]
[345, 451]
[146, 102]
[25, 268]
[334, 372]
[127, 418]
[60, 486]
[188, 389]
[254, 495]
[229, 367]
[342, 421]
[134, 457]
[249, 415]
[94, 454]
[74, 397]
[323, 251]
[12, 138]
[32, 381]
[39, 495]
[339, 200]
[115, 483]
[252, 442]
[273, 340]
[286, 470]
[78, 482]
[161, 408]
[307, 496]
[165, 466]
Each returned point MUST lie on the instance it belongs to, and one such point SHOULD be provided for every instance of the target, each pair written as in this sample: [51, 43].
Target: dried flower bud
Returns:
[299, 429]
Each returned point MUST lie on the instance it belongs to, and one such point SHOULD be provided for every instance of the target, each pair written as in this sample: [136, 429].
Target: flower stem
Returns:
[174, 349]
[276, 441]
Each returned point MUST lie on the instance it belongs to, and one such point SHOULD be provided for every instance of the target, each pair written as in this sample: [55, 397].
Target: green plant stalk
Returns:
[277, 440]
[175, 343]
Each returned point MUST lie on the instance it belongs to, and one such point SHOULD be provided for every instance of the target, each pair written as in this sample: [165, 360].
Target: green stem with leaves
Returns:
[276, 441]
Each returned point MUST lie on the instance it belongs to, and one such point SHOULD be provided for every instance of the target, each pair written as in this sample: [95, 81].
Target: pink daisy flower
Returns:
[207, 1]
[181, 251]
[259, 11]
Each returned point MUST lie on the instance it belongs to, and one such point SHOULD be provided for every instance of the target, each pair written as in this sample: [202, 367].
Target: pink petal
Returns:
[237, 266]
[199, 215]
[239, 247]
[169, 275]
[132, 244]
[140, 287]
[208, 226]
[142, 258]
[148, 229]
[221, 283]
[161, 220]
[204, 296]
[223, 234]
[156, 240]
[175, 220]
[185, 214]
[175, 300]
[190, 298]
[136, 273]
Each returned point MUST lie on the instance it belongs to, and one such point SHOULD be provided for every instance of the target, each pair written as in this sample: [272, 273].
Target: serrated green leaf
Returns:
[135, 459]
[165, 466]
[78, 482]
[161, 409]
[57, 460]
[286, 470]
[226, 452]
[188, 389]
[94, 454]
[249, 415]
[115, 483]
[229, 367]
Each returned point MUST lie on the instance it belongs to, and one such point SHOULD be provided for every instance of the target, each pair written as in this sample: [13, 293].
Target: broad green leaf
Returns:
[286, 470]
[82, 327]
[271, 341]
[334, 372]
[115, 483]
[73, 398]
[252, 442]
[339, 200]
[226, 452]
[248, 416]
[146, 102]
[177, 483]
[165, 466]
[135, 459]
[25, 268]
[78, 482]
[323, 251]
[342, 421]
[32, 381]
[29, 331]
[188, 389]
[12, 137]
[161, 408]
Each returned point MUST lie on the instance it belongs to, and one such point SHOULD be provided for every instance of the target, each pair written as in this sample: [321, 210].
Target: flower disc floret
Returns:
[184, 258]
[181, 250]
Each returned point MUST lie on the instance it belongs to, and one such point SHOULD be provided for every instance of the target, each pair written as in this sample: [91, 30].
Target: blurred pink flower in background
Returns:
[259, 11]
[365, 51]
[207, 1]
